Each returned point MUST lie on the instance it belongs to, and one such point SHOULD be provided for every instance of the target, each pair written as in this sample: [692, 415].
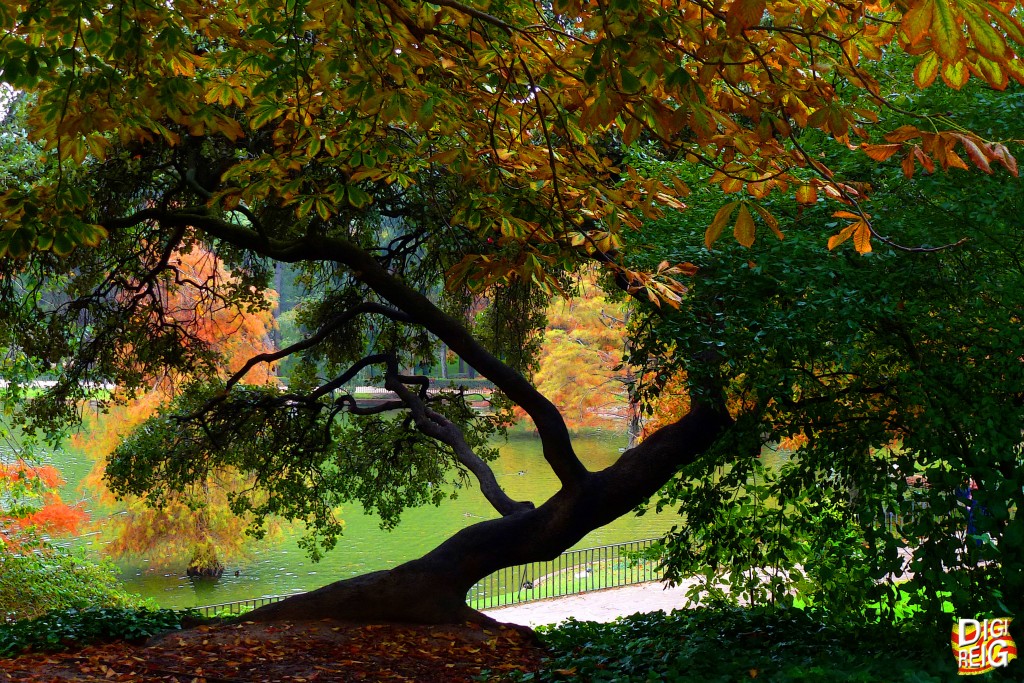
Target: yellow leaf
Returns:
[987, 40]
[744, 228]
[955, 75]
[926, 70]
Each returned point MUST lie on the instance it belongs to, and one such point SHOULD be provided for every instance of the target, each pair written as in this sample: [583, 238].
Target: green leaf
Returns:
[357, 197]
[948, 39]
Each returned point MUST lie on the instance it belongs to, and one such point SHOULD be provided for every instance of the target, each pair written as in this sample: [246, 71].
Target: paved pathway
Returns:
[606, 605]
[603, 605]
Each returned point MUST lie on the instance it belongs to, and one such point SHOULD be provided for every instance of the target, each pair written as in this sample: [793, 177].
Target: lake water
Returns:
[278, 568]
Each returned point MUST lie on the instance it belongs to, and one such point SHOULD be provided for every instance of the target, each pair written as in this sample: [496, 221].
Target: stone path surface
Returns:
[603, 605]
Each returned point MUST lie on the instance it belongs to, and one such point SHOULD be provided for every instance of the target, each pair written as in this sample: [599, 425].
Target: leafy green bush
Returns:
[63, 629]
[44, 577]
[736, 644]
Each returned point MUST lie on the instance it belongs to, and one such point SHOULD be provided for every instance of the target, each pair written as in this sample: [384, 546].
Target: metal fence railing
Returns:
[238, 606]
[574, 571]
[895, 522]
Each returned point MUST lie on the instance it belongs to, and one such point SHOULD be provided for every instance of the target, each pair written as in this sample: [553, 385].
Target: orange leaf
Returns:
[840, 237]
[770, 220]
[925, 160]
[917, 21]
[881, 152]
[806, 194]
[731, 185]
[953, 160]
[1000, 152]
[908, 165]
[975, 153]
[862, 237]
[743, 14]
[721, 218]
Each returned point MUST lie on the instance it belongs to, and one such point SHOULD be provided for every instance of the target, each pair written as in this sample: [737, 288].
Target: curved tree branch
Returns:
[551, 427]
[314, 339]
[437, 426]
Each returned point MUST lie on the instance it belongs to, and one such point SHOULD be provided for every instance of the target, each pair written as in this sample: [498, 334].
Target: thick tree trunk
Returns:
[433, 588]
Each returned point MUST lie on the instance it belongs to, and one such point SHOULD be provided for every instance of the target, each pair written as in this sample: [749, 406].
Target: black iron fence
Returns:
[574, 571]
[223, 609]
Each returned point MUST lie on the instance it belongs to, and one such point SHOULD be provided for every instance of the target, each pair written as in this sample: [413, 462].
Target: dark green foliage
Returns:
[72, 628]
[733, 645]
[883, 366]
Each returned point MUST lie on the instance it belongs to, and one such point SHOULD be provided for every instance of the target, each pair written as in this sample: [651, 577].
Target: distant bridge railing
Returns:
[574, 571]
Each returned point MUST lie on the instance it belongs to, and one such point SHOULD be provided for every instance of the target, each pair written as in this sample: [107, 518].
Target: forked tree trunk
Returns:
[433, 588]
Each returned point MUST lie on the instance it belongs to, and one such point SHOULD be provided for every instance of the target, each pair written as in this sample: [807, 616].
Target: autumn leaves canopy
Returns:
[329, 105]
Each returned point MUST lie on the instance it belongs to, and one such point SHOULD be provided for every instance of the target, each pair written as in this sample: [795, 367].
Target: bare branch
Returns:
[367, 307]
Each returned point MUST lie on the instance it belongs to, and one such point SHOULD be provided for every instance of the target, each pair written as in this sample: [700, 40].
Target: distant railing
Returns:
[894, 523]
[574, 571]
[222, 609]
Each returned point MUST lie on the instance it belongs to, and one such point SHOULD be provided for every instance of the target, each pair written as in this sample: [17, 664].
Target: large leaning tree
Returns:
[415, 159]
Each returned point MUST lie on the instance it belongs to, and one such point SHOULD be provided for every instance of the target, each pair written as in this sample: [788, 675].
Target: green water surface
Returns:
[281, 567]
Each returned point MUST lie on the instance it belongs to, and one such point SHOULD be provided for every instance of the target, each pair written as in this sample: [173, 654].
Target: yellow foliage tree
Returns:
[580, 359]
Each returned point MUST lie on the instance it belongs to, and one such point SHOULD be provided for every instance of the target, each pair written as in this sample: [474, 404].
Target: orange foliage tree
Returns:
[196, 524]
[30, 505]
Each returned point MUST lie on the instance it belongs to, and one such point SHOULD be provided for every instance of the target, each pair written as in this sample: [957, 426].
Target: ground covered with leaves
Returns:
[319, 651]
[720, 644]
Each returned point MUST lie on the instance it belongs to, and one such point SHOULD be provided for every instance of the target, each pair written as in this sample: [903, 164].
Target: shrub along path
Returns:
[300, 653]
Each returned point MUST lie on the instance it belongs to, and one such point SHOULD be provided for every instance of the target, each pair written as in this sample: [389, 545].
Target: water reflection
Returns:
[284, 568]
